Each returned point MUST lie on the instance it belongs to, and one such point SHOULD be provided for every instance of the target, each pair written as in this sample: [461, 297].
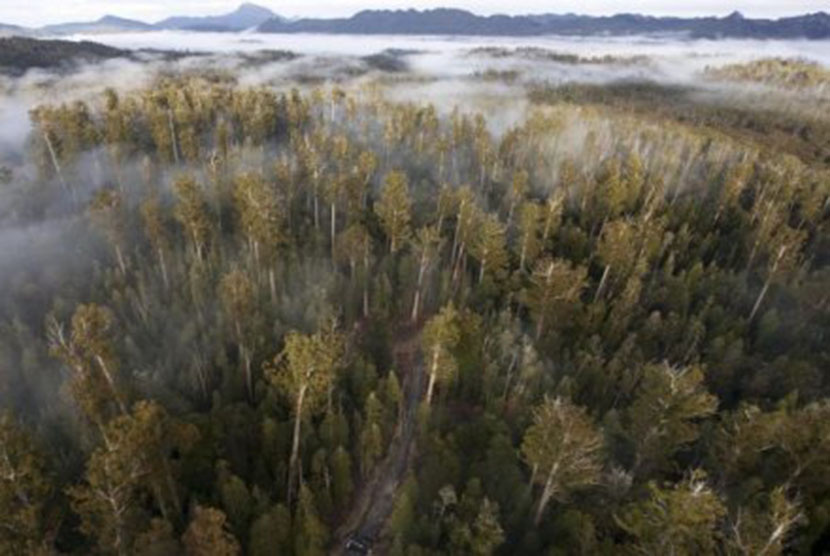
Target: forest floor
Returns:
[375, 500]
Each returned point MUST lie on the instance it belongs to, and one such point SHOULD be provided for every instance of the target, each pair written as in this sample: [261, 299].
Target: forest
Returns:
[243, 319]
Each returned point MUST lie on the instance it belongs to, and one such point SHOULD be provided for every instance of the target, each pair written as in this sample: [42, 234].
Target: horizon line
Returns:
[656, 15]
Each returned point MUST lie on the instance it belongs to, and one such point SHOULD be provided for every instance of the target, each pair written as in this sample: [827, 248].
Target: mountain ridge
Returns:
[106, 24]
[246, 16]
[441, 21]
[454, 21]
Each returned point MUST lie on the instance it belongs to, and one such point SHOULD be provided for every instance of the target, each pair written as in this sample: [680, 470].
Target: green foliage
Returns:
[394, 210]
[311, 534]
[563, 447]
[597, 329]
[25, 491]
[678, 520]
[207, 535]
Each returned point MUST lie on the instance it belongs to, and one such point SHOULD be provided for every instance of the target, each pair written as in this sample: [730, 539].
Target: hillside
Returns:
[19, 54]
[107, 24]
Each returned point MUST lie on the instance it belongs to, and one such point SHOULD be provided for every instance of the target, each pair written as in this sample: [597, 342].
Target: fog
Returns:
[44, 238]
[341, 58]
[668, 48]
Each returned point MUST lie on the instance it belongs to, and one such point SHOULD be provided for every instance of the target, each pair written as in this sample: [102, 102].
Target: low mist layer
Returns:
[435, 296]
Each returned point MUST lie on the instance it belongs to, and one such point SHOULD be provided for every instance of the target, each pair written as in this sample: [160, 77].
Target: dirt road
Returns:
[376, 500]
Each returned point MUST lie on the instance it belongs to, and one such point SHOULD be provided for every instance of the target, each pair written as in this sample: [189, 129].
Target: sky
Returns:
[42, 12]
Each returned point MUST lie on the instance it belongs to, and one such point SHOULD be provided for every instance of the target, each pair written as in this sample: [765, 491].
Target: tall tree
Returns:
[427, 246]
[665, 414]
[765, 529]
[239, 302]
[681, 519]
[489, 248]
[311, 534]
[395, 209]
[131, 462]
[107, 213]
[261, 221]
[555, 290]
[155, 228]
[208, 535]
[191, 210]
[305, 370]
[529, 241]
[25, 491]
[487, 533]
[563, 447]
[89, 353]
[441, 335]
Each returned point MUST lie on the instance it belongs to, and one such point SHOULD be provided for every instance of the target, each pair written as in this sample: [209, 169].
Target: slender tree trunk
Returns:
[111, 383]
[540, 327]
[760, 299]
[157, 494]
[272, 284]
[770, 275]
[457, 268]
[417, 302]
[433, 372]
[122, 266]
[255, 251]
[509, 377]
[171, 485]
[602, 282]
[295, 443]
[249, 379]
[163, 267]
[456, 235]
[333, 227]
[547, 493]
[54, 156]
[366, 283]
[173, 135]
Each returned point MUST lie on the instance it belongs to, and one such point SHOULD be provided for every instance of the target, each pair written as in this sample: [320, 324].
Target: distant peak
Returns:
[248, 7]
[736, 15]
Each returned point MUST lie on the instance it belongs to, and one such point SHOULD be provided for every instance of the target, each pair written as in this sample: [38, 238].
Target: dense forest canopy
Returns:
[250, 319]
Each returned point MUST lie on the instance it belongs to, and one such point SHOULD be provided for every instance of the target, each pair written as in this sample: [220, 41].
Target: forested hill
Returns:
[18, 54]
[459, 22]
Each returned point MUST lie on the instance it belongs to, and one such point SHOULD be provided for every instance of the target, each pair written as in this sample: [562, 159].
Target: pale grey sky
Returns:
[40, 12]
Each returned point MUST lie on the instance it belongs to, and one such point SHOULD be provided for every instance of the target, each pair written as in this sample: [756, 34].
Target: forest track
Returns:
[376, 500]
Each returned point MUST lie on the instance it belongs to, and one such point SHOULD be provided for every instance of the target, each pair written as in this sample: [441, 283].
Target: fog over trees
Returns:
[240, 317]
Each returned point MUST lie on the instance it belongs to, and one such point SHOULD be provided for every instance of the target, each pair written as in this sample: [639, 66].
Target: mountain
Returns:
[441, 21]
[107, 24]
[445, 21]
[245, 17]
[19, 54]
[7, 30]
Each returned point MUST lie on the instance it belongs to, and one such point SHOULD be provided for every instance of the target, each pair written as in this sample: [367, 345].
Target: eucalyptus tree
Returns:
[556, 286]
[440, 337]
[304, 371]
[563, 447]
[395, 210]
